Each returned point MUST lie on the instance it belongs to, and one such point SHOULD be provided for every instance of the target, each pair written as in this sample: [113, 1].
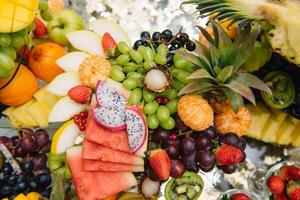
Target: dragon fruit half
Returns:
[136, 128]
[108, 96]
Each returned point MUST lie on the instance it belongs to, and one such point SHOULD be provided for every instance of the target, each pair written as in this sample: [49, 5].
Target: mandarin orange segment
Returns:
[93, 69]
[195, 112]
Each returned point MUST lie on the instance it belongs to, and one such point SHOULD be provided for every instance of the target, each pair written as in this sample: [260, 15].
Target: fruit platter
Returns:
[171, 100]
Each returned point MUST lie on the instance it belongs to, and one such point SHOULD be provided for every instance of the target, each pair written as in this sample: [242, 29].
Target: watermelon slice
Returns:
[96, 185]
[97, 165]
[93, 151]
[117, 140]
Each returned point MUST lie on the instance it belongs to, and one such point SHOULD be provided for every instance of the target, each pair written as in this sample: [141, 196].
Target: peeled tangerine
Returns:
[16, 15]
[93, 69]
[195, 112]
[229, 121]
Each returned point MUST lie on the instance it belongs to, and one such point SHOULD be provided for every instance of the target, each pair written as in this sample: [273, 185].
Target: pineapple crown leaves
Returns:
[218, 65]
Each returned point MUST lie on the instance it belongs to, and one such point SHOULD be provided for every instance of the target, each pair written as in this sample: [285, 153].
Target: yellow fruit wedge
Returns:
[38, 114]
[21, 113]
[256, 113]
[46, 99]
[296, 137]
[15, 15]
[21, 197]
[33, 196]
[273, 124]
[11, 117]
[64, 137]
[285, 131]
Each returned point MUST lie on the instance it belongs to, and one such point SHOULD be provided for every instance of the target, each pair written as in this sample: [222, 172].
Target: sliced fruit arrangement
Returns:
[274, 126]
[35, 112]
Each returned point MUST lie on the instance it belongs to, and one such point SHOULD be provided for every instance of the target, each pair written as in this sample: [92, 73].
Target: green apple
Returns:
[63, 22]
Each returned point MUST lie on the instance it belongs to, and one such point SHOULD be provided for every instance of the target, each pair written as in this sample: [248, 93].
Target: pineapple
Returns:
[284, 32]
[12, 119]
[38, 113]
[15, 15]
[21, 114]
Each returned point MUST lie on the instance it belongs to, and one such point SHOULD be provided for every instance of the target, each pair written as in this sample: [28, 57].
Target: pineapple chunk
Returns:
[22, 115]
[38, 113]
[46, 99]
[285, 131]
[11, 117]
[272, 125]
[296, 137]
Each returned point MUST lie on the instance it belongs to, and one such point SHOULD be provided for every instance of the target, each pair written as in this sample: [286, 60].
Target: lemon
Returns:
[21, 197]
[33, 196]
[15, 15]
[64, 137]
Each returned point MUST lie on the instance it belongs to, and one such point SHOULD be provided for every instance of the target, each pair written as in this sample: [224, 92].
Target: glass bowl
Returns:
[273, 171]
[231, 192]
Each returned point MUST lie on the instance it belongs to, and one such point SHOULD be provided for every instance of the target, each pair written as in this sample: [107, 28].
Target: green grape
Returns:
[148, 96]
[43, 5]
[172, 106]
[147, 54]
[178, 85]
[113, 62]
[31, 27]
[160, 59]
[182, 77]
[150, 108]
[182, 63]
[168, 124]
[135, 75]
[6, 62]
[163, 113]
[23, 32]
[148, 64]
[123, 47]
[162, 49]
[117, 75]
[17, 41]
[135, 96]
[26, 38]
[171, 94]
[130, 83]
[10, 51]
[136, 56]
[140, 70]
[4, 73]
[123, 59]
[152, 121]
[117, 67]
[129, 67]
[5, 40]
[46, 15]
[141, 49]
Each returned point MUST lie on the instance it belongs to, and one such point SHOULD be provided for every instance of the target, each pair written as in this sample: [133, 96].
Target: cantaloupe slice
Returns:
[21, 113]
[38, 114]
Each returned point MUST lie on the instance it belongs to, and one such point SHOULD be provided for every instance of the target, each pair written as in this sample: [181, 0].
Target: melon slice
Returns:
[93, 151]
[117, 140]
[96, 185]
[97, 165]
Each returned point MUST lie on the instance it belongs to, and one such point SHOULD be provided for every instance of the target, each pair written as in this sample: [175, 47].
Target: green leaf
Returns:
[252, 81]
[196, 86]
[206, 34]
[194, 59]
[235, 99]
[225, 73]
[215, 55]
[241, 89]
[199, 74]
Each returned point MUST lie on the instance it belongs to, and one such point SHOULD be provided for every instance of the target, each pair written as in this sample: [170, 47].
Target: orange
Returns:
[111, 197]
[195, 112]
[229, 121]
[93, 69]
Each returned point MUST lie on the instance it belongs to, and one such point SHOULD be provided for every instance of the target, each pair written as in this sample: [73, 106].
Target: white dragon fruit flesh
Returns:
[110, 117]
[107, 96]
[136, 128]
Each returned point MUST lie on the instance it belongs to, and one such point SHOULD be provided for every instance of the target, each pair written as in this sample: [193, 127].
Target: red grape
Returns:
[18, 151]
[206, 158]
[41, 137]
[164, 100]
[189, 160]
[211, 132]
[179, 124]
[161, 136]
[41, 171]
[188, 145]
[28, 144]
[207, 169]
[203, 141]
[173, 151]
[45, 149]
[7, 142]
[174, 142]
[242, 144]
[15, 139]
[173, 136]
[228, 169]
[23, 132]
[39, 161]
[152, 175]
[177, 168]
[231, 139]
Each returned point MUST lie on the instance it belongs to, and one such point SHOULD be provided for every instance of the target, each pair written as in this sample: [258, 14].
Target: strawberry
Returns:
[275, 184]
[161, 163]
[239, 196]
[281, 196]
[80, 94]
[108, 43]
[26, 53]
[289, 172]
[229, 155]
[293, 190]
[40, 28]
